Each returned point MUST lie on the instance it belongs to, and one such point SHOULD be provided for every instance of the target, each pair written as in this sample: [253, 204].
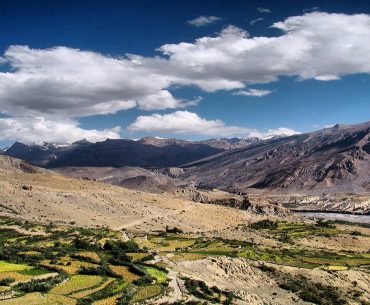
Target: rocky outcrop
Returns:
[254, 205]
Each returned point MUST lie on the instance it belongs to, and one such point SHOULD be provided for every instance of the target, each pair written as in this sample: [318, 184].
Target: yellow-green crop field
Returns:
[147, 292]
[125, 273]
[77, 283]
[37, 298]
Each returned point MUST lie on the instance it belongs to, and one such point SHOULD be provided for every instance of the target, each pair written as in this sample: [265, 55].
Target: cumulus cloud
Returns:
[253, 92]
[74, 83]
[185, 122]
[163, 100]
[70, 82]
[317, 46]
[38, 129]
[204, 20]
[264, 10]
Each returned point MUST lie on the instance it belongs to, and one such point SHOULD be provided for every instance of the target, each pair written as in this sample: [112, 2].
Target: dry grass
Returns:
[40, 299]
[147, 292]
[108, 301]
[15, 275]
[124, 271]
[68, 265]
[4, 288]
[187, 257]
[137, 256]
[91, 255]
[85, 293]
[89, 203]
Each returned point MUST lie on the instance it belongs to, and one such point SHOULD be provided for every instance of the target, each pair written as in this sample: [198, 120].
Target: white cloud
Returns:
[204, 20]
[326, 78]
[39, 129]
[69, 82]
[74, 83]
[163, 100]
[185, 122]
[65, 83]
[254, 21]
[318, 45]
[264, 10]
[253, 92]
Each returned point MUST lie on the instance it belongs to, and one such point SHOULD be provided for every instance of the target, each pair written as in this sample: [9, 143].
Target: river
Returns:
[337, 216]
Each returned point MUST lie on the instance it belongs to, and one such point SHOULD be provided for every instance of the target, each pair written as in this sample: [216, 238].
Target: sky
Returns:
[72, 70]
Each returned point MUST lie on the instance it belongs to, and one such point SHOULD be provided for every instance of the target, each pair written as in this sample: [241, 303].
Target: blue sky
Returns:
[200, 86]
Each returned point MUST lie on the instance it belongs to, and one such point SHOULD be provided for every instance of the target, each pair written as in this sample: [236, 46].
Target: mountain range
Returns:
[333, 159]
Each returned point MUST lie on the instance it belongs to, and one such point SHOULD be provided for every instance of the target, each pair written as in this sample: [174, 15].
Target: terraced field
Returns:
[37, 298]
[77, 283]
[79, 266]
[66, 267]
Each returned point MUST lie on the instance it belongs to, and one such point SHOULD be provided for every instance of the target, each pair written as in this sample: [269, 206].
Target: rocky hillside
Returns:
[332, 160]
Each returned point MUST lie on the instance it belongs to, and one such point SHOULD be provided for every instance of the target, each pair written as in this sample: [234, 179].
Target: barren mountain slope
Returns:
[129, 177]
[331, 160]
[46, 196]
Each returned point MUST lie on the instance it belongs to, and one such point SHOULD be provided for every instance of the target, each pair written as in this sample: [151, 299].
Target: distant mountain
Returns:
[230, 143]
[147, 153]
[333, 159]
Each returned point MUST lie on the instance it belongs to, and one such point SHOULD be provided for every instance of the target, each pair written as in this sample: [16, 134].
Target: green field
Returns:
[7, 267]
[77, 283]
[79, 266]
[159, 275]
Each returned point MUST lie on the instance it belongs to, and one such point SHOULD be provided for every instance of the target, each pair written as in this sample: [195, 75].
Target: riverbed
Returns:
[337, 216]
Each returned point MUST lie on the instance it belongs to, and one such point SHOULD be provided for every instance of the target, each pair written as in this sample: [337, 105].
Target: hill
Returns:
[34, 194]
[330, 160]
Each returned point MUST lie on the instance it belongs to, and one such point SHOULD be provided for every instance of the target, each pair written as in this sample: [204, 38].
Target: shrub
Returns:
[144, 280]
[6, 281]
[264, 224]
[324, 224]
[120, 246]
[174, 230]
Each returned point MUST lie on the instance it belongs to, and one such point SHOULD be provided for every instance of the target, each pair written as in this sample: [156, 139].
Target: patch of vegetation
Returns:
[316, 293]
[174, 230]
[213, 294]
[34, 271]
[7, 281]
[41, 285]
[6, 266]
[264, 224]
